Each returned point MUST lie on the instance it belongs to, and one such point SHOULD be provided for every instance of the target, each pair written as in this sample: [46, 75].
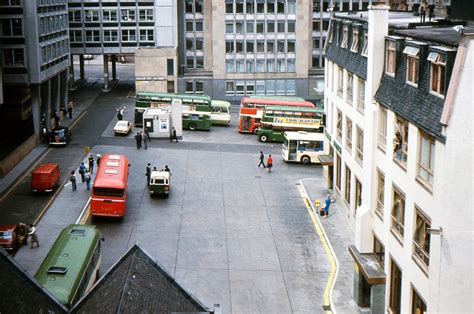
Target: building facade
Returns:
[392, 142]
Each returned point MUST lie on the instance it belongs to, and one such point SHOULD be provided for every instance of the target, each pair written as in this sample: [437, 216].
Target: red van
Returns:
[9, 237]
[45, 177]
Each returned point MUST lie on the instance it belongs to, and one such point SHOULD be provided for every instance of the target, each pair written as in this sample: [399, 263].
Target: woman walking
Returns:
[270, 163]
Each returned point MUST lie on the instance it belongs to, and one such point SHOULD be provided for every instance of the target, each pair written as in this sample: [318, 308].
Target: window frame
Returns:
[347, 184]
[400, 154]
[365, 48]
[345, 36]
[382, 128]
[438, 62]
[355, 40]
[350, 87]
[359, 147]
[421, 253]
[349, 134]
[379, 251]
[397, 227]
[390, 57]
[380, 198]
[412, 65]
[421, 166]
[339, 125]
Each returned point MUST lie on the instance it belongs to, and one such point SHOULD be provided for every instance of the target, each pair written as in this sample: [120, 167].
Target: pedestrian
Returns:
[33, 236]
[154, 169]
[69, 109]
[88, 180]
[262, 158]
[431, 8]
[422, 15]
[72, 178]
[148, 173]
[147, 134]
[91, 164]
[269, 163]
[56, 119]
[138, 140]
[82, 171]
[327, 204]
[173, 135]
[98, 160]
[144, 140]
[167, 169]
[120, 112]
[22, 234]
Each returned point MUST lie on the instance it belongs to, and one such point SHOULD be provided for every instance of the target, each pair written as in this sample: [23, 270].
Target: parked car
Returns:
[45, 177]
[123, 127]
[159, 183]
[9, 237]
[60, 136]
[89, 57]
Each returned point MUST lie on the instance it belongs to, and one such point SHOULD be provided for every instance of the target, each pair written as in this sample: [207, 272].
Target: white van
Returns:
[220, 112]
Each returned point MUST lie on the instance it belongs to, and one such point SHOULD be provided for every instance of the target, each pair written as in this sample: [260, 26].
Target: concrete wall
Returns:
[151, 69]
[9, 162]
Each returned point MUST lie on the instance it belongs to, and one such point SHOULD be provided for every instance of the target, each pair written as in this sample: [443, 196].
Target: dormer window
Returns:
[345, 36]
[365, 49]
[355, 40]
[412, 64]
[437, 72]
[390, 49]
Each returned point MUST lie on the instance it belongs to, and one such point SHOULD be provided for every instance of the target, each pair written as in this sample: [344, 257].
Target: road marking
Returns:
[131, 91]
[77, 119]
[47, 205]
[84, 214]
[27, 172]
[334, 264]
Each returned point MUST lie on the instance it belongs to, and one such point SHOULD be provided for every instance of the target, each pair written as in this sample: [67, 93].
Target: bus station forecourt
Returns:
[230, 232]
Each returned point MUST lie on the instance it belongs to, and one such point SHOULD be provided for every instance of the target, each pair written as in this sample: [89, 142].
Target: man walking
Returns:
[88, 180]
[72, 178]
[91, 164]
[148, 173]
[269, 163]
[33, 236]
[82, 171]
[138, 140]
[262, 158]
[147, 134]
[327, 204]
[69, 109]
[98, 161]
[144, 140]
[173, 135]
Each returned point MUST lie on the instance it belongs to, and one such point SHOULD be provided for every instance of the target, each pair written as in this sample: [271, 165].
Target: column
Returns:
[35, 106]
[106, 73]
[46, 102]
[64, 91]
[114, 67]
[71, 73]
[81, 67]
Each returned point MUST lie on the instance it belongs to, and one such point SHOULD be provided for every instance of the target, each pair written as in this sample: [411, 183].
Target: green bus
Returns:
[196, 108]
[278, 119]
[72, 264]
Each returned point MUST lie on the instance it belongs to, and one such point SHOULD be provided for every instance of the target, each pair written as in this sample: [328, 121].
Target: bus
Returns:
[251, 110]
[71, 266]
[109, 190]
[290, 98]
[278, 119]
[220, 114]
[304, 147]
[196, 108]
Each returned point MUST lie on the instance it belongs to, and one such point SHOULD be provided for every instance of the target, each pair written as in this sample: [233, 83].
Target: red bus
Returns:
[251, 110]
[109, 191]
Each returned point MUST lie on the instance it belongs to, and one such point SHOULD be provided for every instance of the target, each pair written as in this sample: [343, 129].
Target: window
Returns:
[229, 88]
[290, 65]
[350, 87]
[199, 26]
[110, 36]
[240, 88]
[358, 194]
[270, 87]
[379, 207]
[349, 134]
[250, 7]
[395, 288]
[340, 80]
[339, 125]
[189, 87]
[250, 47]
[260, 65]
[239, 46]
[91, 15]
[316, 26]
[250, 27]
[229, 47]
[270, 65]
[280, 87]
[412, 64]
[127, 15]
[229, 66]
[365, 49]
[190, 26]
[270, 26]
[291, 6]
[229, 8]
[260, 7]
[145, 15]
[315, 43]
[437, 72]
[240, 66]
[11, 27]
[426, 158]
[189, 6]
[190, 63]
[260, 88]
[128, 35]
[361, 95]
[270, 46]
[382, 128]
[239, 8]
[290, 87]
[379, 251]
[198, 6]
[13, 58]
[398, 213]
[199, 87]
[338, 172]
[281, 66]
[146, 35]
[170, 66]
[239, 27]
[92, 36]
[400, 142]
[421, 240]
[418, 305]
[347, 186]
[229, 28]
[250, 66]
[199, 44]
[280, 7]
[250, 88]
[199, 63]
[355, 40]
[281, 26]
[290, 46]
[390, 57]
[345, 36]
[190, 44]
[260, 27]
[359, 144]
[260, 46]
[291, 27]
[270, 7]
[109, 15]
[76, 36]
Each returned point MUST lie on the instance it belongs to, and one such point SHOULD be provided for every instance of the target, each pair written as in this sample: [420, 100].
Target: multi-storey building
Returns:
[398, 107]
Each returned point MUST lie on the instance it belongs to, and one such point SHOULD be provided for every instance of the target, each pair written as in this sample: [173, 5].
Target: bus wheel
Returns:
[305, 160]
[192, 126]
[263, 138]
[255, 131]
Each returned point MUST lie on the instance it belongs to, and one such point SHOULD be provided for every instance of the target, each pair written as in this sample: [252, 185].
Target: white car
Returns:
[123, 127]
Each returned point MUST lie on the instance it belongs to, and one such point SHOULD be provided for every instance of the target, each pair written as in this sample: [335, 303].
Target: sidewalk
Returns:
[340, 236]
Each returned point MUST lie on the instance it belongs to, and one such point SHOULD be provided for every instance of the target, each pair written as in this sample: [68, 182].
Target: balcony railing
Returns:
[397, 226]
[421, 254]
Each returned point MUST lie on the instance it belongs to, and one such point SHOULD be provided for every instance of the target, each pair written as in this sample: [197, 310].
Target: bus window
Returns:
[108, 192]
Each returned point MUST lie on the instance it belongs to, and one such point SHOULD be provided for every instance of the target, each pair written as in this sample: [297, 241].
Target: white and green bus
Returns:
[220, 114]
[303, 147]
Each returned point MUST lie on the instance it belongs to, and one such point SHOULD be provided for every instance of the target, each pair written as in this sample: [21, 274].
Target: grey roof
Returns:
[444, 35]
[137, 284]
[21, 293]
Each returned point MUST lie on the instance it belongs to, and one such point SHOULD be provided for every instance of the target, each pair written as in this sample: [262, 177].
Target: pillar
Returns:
[55, 93]
[81, 67]
[35, 107]
[377, 299]
[64, 91]
[45, 94]
[114, 67]
[106, 73]
[71, 73]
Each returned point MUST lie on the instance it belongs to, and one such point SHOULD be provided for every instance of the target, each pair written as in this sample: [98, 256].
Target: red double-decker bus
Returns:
[251, 110]
[109, 191]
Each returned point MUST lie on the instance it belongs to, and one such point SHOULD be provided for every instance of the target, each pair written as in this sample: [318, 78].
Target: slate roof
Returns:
[20, 292]
[138, 284]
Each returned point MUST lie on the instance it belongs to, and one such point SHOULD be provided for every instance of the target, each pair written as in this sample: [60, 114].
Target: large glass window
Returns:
[281, 66]
[146, 35]
[229, 66]
[349, 134]
[13, 57]
[379, 251]
[400, 142]
[290, 64]
[418, 304]
[260, 88]
[426, 158]
[382, 128]
[92, 36]
[110, 36]
[239, 66]
[280, 87]
[390, 57]
[91, 16]
[260, 65]
[437, 72]
[379, 207]
[359, 144]
[127, 15]
[270, 65]
[145, 15]
[11, 27]
[395, 288]
[129, 35]
[398, 213]
[421, 240]
[270, 87]
[109, 15]
[339, 125]
[347, 186]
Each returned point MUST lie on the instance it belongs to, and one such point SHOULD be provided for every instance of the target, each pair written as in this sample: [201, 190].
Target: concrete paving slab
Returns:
[305, 290]
[198, 222]
[203, 251]
[252, 252]
[288, 220]
[251, 220]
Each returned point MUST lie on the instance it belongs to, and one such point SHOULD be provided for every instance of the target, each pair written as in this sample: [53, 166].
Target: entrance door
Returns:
[292, 150]
[149, 125]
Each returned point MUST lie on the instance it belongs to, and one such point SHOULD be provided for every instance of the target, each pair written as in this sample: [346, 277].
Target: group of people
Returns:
[85, 172]
[269, 164]
[24, 232]
[148, 171]
[143, 136]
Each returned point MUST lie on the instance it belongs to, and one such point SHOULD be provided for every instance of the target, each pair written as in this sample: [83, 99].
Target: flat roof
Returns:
[439, 34]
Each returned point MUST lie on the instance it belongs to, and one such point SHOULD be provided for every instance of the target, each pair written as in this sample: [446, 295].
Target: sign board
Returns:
[298, 121]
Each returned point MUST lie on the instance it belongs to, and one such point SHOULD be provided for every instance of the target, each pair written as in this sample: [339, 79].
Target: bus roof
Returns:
[220, 103]
[277, 97]
[277, 102]
[303, 135]
[294, 109]
[112, 172]
[147, 95]
[70, 256]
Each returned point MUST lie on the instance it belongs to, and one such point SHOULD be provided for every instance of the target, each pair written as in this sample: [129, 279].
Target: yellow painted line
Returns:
[77, 119]
[333, 267]
[131, 91]
[24, 176]
[86, 216]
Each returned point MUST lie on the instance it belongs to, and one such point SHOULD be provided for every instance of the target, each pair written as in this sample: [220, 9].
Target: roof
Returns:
[303, 135]
[147, 95]
[45, 168]
[220, 103]
[444, 35]
[21, 293]
[109, 175]
[277, 101]
[160, 174]
[138, 284]
[299, 109]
